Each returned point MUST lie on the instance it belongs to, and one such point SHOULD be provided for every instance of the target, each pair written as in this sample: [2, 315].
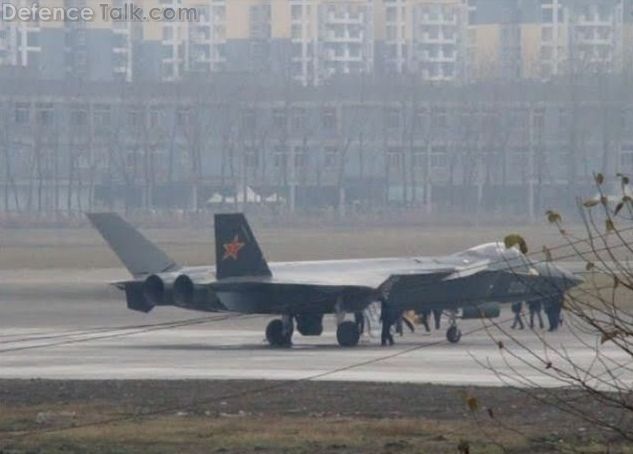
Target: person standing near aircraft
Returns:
[437, 315]
[359, 318]
[387, 319]
[553, 309]
[535, 308]
[424, 319]
[518, 321]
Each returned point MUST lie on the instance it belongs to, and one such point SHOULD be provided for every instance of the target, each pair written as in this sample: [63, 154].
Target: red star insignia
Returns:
[232, 249]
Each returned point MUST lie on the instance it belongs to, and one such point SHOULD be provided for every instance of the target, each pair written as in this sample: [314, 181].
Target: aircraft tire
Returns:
[347, 334]
[275, 334]
[453, 334]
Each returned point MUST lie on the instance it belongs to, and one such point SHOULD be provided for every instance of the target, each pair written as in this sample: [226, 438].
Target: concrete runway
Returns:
[49, 321]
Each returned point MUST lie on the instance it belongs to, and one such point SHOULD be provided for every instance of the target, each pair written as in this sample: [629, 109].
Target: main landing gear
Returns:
[279, 332]
[347, 334]
[453, 334]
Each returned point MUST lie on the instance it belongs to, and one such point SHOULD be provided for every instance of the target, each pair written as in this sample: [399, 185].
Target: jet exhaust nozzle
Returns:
[194, 292]
[184, 291]
[154, 290]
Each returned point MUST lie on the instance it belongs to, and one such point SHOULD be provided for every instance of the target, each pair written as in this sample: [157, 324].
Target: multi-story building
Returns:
[330, 38]
[21, 43]
[205, 41]
[519, 151]
[576, 36]
[311, 41]
[95, 50]
[438, 40]
[4, 44]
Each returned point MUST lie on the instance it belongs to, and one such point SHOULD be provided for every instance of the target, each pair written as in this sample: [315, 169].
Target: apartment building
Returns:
[311, 41]
[20, 43]
[95, 50]
[580, 36]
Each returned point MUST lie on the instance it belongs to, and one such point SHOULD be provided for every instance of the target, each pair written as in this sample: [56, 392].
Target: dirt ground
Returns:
[248, 416]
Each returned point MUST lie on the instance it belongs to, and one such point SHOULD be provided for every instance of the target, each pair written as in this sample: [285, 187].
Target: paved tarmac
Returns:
[70, 325]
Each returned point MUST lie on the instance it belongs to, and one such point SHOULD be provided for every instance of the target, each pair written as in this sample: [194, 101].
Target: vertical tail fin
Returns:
[236, 250]
[139, 255]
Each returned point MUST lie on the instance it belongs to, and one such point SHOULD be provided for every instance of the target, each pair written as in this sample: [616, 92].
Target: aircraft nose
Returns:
[570, 279]
[550, 270]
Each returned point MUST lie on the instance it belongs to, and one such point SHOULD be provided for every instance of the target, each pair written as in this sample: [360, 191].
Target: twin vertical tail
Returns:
[139, 255]
[236, 250]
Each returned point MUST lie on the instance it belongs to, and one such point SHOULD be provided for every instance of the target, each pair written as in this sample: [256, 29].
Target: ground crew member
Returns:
[437, 315]
[387, 319]
[553, 310]
[424, 318]
[535, 308]
[359, 318]
[516, 309]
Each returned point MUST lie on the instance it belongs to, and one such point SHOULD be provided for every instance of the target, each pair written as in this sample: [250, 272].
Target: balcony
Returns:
[345, 37]
[344, 56]
[345, 18]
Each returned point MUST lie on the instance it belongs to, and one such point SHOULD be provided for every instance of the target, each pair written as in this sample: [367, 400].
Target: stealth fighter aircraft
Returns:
[468, 284]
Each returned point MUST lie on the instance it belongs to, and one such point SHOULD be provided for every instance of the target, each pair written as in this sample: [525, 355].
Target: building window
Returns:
[101, 116]
[251, 158]
[279, 120]
[183, 117]
[299, 157]
[330, 157]
[280, 156]
[626, 157]
[439, 157]
[79, 116]
[45, 114]
[439, 120]
[249, 120]
[328, 119]
[156, 115]
[22, 113]
[392, 118]
[394, 157]
[296, 11]
[298, 118]
[134, 118]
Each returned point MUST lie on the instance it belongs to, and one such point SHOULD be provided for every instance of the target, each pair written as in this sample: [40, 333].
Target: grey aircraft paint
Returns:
[242, 281]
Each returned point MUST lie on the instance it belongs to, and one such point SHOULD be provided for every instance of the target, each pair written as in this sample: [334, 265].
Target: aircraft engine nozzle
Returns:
[193, 292]
[184, 290]
[154, 290]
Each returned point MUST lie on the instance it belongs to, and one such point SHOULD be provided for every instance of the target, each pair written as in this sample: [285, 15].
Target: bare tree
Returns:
[598, 316]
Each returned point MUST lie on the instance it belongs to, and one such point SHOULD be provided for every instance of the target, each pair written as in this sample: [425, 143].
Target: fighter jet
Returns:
[301, 293]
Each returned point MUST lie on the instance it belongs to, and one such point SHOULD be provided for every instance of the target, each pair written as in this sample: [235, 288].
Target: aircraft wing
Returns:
[370, 278]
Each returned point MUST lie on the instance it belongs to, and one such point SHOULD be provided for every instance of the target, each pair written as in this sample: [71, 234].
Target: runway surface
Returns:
[70, 325]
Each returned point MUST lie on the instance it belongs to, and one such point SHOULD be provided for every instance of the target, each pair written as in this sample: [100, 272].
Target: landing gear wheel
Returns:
[453, 334]
[347, 334]
[275, 334]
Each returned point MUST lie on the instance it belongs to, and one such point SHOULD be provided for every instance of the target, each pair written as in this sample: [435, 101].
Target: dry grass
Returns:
[333, 417]
[262, 434]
